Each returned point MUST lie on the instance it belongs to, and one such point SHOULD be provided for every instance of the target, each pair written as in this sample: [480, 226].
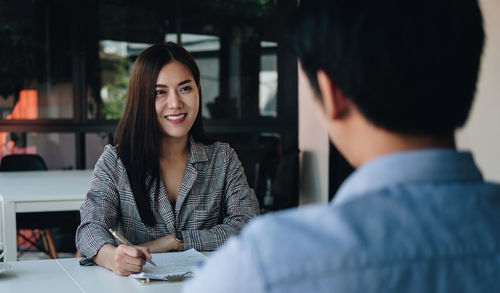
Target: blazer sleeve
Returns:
[100, 209]
[240, 205]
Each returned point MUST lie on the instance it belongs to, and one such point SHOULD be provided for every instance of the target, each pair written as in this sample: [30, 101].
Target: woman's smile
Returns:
[176, 119]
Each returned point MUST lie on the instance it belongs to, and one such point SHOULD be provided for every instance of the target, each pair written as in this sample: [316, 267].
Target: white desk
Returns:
[66, 275]
[38, 191]
[36, 276]
[98, 279]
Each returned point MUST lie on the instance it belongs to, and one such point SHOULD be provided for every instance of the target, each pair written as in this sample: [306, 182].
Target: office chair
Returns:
[23, 162]
[30, 221]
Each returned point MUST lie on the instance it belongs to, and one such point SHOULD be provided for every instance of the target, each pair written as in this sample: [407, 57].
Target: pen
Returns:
[125, 241]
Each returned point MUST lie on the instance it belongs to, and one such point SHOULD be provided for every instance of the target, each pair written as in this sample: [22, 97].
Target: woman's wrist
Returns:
[104, 256]
[164, 244]
[180, 243]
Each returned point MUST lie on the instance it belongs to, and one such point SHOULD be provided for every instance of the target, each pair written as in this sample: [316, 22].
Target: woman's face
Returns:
[177, 99]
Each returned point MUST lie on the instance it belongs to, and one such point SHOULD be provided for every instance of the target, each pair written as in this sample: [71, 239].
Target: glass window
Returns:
[234, 46]
[210, 86]
[94, 146]
[115, 60]
[268, 80]
[35, 64]
[57, 149]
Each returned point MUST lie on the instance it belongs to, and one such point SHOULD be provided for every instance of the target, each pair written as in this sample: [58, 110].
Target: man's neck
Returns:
[382, 142]
[361, 141]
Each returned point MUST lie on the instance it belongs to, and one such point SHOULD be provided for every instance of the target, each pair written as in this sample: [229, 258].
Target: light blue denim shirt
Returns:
[416, 221]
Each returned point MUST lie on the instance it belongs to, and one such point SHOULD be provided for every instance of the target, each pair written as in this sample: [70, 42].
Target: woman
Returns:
[163, 185]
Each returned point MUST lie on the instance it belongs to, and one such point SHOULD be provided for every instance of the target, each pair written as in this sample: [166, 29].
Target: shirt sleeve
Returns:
[98, 212]
[233, 268]
[241, 205]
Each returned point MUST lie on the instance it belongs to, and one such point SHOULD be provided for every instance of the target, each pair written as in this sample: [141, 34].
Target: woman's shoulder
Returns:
[218, 146]
[214, 150]
[110, 153]
[109, 160]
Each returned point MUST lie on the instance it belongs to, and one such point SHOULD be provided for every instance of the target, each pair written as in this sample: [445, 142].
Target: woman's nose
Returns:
[174, 101]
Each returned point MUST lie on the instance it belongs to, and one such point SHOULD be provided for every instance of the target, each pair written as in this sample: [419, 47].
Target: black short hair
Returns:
[410, 66]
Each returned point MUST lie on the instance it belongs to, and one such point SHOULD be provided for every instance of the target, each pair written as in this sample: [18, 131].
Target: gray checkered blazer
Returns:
[214, 202]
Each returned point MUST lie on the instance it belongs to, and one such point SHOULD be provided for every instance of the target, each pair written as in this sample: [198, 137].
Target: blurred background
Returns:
[65, 68]
[65, 65]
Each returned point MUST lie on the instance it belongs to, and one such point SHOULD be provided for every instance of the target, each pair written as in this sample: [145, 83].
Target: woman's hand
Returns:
[124, 259]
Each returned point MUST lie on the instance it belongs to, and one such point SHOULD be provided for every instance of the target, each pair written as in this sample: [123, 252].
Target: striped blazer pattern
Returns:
[214, 202]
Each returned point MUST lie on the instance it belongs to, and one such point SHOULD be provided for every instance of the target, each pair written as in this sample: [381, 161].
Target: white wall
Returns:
[481, 134]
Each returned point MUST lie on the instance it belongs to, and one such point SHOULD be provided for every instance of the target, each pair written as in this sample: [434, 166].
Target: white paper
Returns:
[170, 264]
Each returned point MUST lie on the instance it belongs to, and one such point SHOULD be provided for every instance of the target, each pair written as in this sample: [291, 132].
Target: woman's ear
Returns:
[335, 103]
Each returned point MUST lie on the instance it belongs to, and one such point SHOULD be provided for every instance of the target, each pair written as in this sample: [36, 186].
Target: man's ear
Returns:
[335, 103]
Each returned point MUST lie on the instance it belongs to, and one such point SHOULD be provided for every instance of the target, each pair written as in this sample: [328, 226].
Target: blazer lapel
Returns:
[197, 154]
[186, 185]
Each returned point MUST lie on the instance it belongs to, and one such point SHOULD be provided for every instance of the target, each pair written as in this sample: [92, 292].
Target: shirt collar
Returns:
[198, 152]
[409, 167]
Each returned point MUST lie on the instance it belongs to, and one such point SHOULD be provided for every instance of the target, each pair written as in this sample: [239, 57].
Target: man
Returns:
[392, 80]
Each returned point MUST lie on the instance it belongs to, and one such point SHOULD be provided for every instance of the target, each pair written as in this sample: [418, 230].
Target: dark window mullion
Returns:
[79, 82]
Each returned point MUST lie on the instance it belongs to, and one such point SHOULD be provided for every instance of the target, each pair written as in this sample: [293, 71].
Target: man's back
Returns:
[420, 221]
[392, 81]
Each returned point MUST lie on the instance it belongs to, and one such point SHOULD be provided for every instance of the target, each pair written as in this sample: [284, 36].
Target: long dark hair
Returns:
[138, 134]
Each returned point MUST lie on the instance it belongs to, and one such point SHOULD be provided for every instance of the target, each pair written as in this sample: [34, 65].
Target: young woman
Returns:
[164, 186]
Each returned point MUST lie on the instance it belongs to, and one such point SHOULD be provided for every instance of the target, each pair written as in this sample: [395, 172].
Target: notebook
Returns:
[171, 266]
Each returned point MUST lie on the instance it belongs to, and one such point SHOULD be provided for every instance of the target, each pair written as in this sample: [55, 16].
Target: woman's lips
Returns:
[176, 119]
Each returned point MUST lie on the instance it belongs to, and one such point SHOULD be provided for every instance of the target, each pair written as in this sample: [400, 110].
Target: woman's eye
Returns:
[160, 92]
[185, 89]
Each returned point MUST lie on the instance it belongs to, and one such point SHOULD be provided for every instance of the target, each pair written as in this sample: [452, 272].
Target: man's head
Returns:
[409, 67]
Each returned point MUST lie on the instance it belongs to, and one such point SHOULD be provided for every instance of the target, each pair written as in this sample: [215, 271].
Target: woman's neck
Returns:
[174, 148]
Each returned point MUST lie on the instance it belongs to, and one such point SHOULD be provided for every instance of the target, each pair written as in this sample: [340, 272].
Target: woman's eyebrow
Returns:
[184, 82]
[179, 84]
